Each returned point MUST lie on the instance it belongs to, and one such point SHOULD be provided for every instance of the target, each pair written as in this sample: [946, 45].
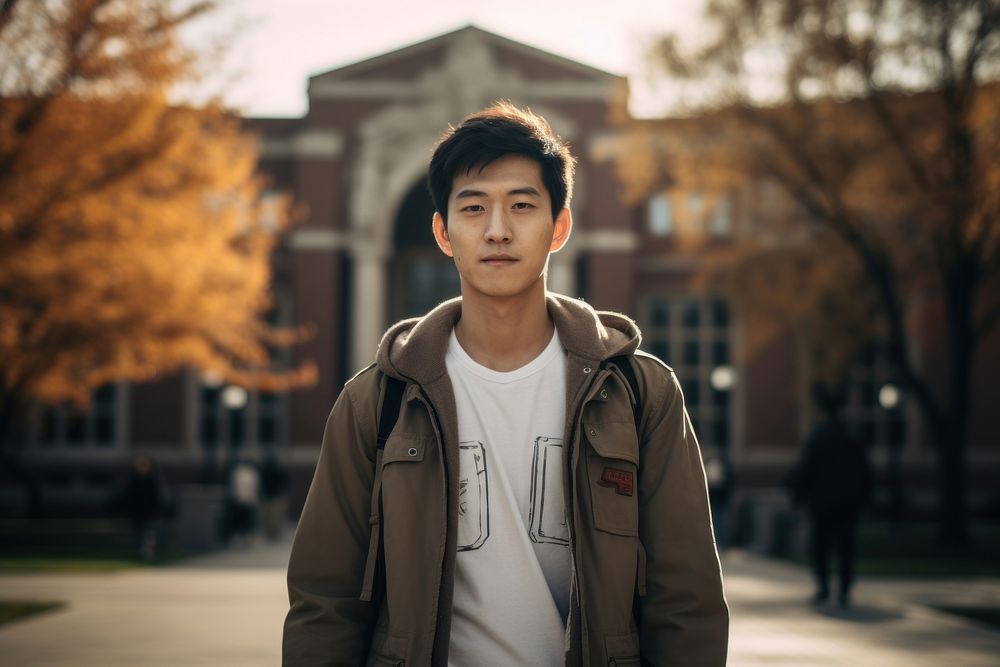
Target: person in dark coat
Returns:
[832, 480]
[719, 475]
[144, 502]
[244, 501]
[273, 491]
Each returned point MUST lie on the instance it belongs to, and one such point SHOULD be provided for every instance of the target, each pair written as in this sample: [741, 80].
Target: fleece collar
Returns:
[414, 349]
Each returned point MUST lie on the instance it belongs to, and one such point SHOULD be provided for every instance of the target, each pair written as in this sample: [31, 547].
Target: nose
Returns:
[497, 228]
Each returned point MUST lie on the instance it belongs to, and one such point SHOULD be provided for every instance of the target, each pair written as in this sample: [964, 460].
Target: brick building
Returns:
[364, 257]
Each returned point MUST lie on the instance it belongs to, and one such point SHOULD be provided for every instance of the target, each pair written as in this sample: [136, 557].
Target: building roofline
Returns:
[412, 49]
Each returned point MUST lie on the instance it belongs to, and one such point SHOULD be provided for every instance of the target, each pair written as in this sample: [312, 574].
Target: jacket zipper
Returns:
[574, 439]
[432, 414]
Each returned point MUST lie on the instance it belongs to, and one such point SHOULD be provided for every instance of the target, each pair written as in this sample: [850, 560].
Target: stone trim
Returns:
[396, 90]
[308, 144]
[318, 240]
[607, 240]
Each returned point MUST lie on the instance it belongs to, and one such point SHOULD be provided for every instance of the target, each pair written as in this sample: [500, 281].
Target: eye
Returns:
[472, 208]
[523, 205]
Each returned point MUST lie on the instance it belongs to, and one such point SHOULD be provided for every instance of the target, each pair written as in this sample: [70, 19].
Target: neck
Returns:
[504, 334]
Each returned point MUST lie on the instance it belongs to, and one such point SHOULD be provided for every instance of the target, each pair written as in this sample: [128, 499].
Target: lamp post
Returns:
[889, 398]
[718, 467]
[723, 378]
[210, 381]
[234, 398]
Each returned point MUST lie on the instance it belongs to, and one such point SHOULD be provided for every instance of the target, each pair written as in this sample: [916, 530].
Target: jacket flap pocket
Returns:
[612, 466]
[623, 648]
[613, 440]
[388, 650]
[403, 447]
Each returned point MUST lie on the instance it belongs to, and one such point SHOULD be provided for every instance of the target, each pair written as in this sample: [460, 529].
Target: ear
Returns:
[441, 234]
[563, 227]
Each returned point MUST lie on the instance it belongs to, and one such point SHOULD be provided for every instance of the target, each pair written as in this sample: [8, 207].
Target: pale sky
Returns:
[275, 45]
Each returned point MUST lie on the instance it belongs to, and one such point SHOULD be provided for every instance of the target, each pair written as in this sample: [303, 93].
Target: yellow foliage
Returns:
[132, 239]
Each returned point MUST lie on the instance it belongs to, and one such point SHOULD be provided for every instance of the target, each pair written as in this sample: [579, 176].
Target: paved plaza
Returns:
[227, 608]
[889, 625]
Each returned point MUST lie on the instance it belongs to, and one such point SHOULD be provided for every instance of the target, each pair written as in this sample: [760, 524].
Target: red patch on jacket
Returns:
[619, 480]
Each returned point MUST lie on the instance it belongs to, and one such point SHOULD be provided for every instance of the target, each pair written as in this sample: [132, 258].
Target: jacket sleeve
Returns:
[684, 618]
[327, 623]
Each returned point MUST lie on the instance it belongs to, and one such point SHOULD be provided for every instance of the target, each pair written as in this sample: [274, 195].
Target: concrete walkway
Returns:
[227, 609]
[222, 609]
[773, 622]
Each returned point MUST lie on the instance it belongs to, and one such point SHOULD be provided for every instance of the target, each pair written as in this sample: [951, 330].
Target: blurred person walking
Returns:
[144, 499]
[274, 490]
[244, 501]
[719, 475]
[833, 481]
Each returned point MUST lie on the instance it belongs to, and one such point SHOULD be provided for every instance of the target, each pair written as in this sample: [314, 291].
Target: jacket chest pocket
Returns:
[404, 477]
[612, 469]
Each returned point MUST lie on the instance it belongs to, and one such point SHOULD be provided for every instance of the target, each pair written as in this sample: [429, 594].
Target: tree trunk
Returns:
[954, 521]
[897, 491]
[952, 439]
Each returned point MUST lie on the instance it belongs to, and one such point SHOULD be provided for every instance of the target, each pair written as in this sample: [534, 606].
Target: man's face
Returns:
[500, 230]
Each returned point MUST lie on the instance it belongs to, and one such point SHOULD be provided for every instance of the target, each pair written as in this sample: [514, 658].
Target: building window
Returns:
[209, 428]
[720, 223]
[67, 426]
[701, 214]
[232, 419]
[661, 218]
[259, 420]
[268, 418]
[692, 335]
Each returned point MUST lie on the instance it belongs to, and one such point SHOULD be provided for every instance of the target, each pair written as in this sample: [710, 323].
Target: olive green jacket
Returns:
[646, 577]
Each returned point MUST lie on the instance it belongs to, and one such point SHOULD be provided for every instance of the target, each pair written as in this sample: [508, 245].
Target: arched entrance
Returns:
[420, 275]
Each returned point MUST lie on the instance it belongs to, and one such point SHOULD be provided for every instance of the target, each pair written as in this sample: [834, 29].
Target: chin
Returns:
[499, 290]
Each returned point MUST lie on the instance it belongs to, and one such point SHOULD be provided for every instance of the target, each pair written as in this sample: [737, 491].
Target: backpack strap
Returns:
[389, 413]
[374, 575]
[624, 364]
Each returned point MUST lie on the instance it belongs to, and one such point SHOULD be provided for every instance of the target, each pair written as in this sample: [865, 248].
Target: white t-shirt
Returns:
[512, 576]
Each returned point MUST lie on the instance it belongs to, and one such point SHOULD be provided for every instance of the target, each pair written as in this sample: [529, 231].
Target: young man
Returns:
[529, 506]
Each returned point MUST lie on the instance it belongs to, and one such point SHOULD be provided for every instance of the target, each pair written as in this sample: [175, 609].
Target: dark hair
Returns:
[490, 134]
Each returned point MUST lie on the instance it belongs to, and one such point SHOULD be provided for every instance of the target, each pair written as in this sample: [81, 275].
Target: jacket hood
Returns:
[414, 349]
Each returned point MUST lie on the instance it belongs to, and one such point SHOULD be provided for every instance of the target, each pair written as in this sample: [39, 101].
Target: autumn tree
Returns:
[134, 239]
[879, 121]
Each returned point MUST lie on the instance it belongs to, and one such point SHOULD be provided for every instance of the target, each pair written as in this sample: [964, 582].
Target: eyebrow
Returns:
[527, 190]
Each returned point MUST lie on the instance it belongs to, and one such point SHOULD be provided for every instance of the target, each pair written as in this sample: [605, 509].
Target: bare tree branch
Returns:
[6, 12]
[899, 141]
[874, 258]
[34, 112]
[989, 16]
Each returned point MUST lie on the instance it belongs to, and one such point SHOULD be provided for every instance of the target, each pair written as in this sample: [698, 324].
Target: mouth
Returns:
[499, 260]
